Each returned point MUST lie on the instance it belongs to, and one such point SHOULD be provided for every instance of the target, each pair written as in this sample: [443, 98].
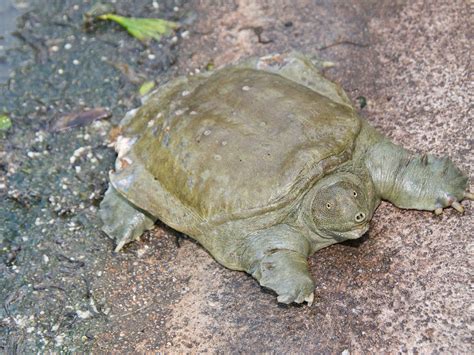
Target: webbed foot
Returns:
[121, 220]
[289, 298]
[448, 184]
[451, 201]
[286, 273]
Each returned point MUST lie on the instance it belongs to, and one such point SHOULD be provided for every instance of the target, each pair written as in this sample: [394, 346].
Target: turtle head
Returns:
[341, 208]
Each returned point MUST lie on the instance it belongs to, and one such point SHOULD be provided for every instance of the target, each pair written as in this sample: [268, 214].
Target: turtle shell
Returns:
[237, 143]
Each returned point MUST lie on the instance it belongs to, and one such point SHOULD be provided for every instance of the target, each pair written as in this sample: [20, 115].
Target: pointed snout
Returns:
[360, 217]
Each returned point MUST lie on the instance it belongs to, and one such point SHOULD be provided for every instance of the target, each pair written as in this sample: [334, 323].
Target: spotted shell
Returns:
[238, 142]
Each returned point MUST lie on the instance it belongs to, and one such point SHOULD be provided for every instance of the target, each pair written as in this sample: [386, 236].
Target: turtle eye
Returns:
[354, 193]
[328, 206]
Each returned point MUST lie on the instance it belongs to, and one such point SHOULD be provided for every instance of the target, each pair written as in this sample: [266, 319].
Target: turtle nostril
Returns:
[360, 217]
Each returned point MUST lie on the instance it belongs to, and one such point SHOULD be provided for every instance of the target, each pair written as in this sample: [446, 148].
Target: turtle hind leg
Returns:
[299, 68]
[122, 221]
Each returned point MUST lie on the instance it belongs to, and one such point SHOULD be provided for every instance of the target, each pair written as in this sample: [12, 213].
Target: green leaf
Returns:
[146, 87]
[143, 28]
[5, 123]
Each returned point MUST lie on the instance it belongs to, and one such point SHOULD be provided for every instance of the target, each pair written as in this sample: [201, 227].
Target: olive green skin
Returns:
[263, 163]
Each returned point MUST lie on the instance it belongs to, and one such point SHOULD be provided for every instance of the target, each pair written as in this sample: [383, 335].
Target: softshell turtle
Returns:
[263, 163]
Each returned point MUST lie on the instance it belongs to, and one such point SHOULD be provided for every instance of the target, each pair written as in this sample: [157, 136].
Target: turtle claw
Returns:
[452, 202]
[457, 206]
[309, 300]
[120, 245]
[286, 299]
[122, 221]
[469, 195]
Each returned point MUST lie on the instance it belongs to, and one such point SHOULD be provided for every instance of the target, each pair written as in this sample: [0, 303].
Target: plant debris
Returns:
[79, 119]
[5, 123]
[143, 29]
[146, 87]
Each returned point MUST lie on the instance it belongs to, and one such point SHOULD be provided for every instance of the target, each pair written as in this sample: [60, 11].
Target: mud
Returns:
[404, 287]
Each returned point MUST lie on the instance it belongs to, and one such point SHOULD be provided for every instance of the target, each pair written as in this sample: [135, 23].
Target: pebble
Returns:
[68, 46]
[151, 56]
[39, 136]
[54, 48]
[59, 339]
[83, 314]
[76, 62]
[78, 153]
[33, 154]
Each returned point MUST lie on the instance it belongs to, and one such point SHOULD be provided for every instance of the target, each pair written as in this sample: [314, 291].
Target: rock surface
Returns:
[405, 286]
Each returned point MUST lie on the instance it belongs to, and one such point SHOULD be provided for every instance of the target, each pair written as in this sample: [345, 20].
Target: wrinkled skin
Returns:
[264, 163]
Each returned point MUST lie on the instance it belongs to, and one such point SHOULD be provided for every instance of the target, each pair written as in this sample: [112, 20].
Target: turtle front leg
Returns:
[286, 273]
[422, 182]
[121, 220]
[277, 258]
